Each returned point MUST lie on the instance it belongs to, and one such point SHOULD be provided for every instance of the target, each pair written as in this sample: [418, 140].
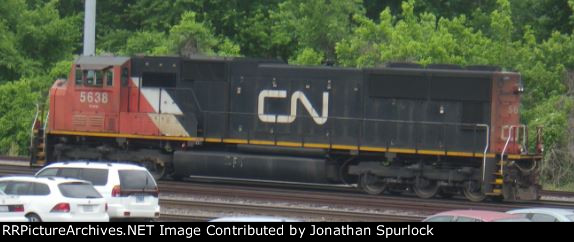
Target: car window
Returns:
[69, 172]
[98, 177]
[78, 190]
[48, 172]
[440, 219]
[19, 188]
[40, 189]
[3, 186]
[466, 219]
[523, 215]
[136, 179]
[512, 220]
[538, 217]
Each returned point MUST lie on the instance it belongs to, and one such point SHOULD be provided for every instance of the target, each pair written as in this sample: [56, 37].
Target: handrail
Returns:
[46, 122]
[505, 147]
[485, 150]
[34, 125]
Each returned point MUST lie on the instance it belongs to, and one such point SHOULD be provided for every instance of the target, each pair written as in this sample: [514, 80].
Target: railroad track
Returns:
[384, 208]
[308, 213]
[557, 193]
[170, 217]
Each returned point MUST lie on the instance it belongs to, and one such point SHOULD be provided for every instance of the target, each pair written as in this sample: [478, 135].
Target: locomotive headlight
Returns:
[519, 88]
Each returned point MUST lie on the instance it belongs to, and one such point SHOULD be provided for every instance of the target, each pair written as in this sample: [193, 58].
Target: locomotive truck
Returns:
[438, 131]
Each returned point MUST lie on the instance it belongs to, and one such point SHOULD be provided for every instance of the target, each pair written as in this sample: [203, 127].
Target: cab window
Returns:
[94, 78]
[79, 77]
[125, 73]
[109, 78]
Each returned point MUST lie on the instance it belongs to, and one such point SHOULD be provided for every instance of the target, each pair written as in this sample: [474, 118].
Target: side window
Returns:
[19, 188]
[125, 76]
[70, 172]
[41, 189]
[465, 219]
[109, 78]
[3, 186]
[48, 172]
[79, 77]
[98, 177]
[440, 219]
[538, 217]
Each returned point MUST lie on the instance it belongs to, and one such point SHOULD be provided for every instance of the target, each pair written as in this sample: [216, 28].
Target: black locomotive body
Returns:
[394, 128]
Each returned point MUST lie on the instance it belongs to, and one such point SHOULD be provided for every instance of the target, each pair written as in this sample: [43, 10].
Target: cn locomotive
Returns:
[438, 131]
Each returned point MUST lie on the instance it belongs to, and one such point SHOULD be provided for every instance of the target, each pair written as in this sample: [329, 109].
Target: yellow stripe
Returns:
[345, 147]
[235, 141]
[215, 140]
[313, 145]
[431, 152]
[520, 157]
[376, 149]
[400, 150]
[261, 142]
[289, 144]
[132, 136]
[455, 153]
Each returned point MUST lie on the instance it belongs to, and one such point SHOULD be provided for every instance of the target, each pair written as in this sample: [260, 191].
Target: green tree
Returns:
[190, 37]
[318, 25]
[33, 38]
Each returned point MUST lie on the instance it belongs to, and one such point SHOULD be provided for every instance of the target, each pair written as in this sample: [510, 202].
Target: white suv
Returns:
[130, 190]
[56, 199]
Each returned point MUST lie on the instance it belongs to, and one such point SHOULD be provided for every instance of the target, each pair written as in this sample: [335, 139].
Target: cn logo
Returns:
[296, 96]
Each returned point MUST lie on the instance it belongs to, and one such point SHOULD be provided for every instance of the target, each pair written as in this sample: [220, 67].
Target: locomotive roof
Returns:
[100, 62]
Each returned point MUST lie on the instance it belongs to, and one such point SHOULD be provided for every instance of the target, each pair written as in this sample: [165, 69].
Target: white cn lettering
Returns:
[298, 95]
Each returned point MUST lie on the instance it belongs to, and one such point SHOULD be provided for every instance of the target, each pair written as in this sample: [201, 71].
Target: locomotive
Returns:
[438, 131]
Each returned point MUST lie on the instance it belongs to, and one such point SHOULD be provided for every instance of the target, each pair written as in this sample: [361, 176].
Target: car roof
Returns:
[483, 215]
[95, 164]
[562, 211]
[41, 179]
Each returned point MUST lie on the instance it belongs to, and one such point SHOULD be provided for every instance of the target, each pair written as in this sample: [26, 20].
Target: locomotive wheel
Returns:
[473, 192]
[425, 188]
[156, 168]
[371, 184]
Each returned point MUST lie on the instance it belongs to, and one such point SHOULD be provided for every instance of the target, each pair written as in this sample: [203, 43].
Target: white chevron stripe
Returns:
[152, 95]
[168, 124]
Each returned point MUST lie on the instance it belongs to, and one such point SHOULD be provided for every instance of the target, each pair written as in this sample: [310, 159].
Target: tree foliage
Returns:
[38, 39]
[33, 38]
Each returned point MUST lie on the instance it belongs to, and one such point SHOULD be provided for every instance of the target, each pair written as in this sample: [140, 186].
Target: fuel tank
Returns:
[250, 166]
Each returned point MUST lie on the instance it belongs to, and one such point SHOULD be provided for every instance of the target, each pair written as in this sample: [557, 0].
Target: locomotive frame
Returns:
[438, 130]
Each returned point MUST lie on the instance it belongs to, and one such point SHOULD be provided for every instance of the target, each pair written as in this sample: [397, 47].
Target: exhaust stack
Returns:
[90, 28]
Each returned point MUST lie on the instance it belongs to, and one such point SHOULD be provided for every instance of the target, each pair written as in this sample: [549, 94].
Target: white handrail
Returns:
[46, 121]
[506, 146]
[485, 149]
[33, 125]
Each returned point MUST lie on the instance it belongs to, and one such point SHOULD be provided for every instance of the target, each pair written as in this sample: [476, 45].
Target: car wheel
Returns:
[33, 218]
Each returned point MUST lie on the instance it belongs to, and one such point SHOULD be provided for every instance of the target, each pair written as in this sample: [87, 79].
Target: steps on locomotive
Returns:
[497, 180]
[38, 152]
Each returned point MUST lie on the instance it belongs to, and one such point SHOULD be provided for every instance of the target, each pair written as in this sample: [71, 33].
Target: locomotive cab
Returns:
[91, 98]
